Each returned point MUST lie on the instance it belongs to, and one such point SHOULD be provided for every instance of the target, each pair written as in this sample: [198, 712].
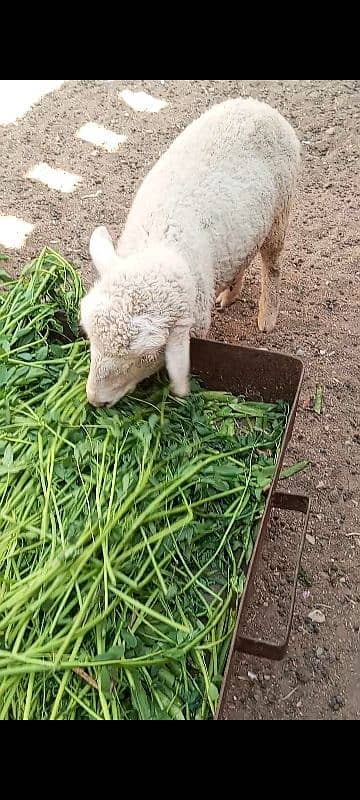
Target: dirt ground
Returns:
[319, 320]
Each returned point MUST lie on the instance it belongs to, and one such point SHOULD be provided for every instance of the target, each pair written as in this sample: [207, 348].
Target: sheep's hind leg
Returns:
[270, 253]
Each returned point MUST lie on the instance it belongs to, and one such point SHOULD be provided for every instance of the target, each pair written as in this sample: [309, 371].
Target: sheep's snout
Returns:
[101, 397]
[93, 398]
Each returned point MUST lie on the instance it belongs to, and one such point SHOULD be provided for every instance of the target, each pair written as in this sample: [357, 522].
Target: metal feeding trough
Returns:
[265, 376]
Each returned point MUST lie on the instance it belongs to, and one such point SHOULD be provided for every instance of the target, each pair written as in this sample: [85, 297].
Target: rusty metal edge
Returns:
[279, 651]
[261, 648]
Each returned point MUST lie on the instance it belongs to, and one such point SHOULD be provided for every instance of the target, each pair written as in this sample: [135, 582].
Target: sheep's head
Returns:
[136, 316]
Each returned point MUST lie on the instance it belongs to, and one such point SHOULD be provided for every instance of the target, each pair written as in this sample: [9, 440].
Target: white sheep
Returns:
[220, 193]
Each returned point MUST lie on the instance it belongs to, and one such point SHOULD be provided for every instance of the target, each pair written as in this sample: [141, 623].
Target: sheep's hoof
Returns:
[223, 299]
[181, 389]
[267, 321]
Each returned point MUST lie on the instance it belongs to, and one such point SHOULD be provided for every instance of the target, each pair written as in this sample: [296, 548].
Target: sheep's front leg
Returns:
[231, 294]
[177, 359]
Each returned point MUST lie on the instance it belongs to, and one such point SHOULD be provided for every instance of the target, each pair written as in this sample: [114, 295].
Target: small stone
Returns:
[320, 485]
[267, 677]
[316, 616]
[300, 352]
[310, 539]
[312, 626]
[334, 496]
[336, 702]
[252, 676]
[322, 352]
[299, 704]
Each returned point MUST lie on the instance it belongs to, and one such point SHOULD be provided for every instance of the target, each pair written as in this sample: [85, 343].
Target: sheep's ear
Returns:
[150, 335]
[102, 251]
